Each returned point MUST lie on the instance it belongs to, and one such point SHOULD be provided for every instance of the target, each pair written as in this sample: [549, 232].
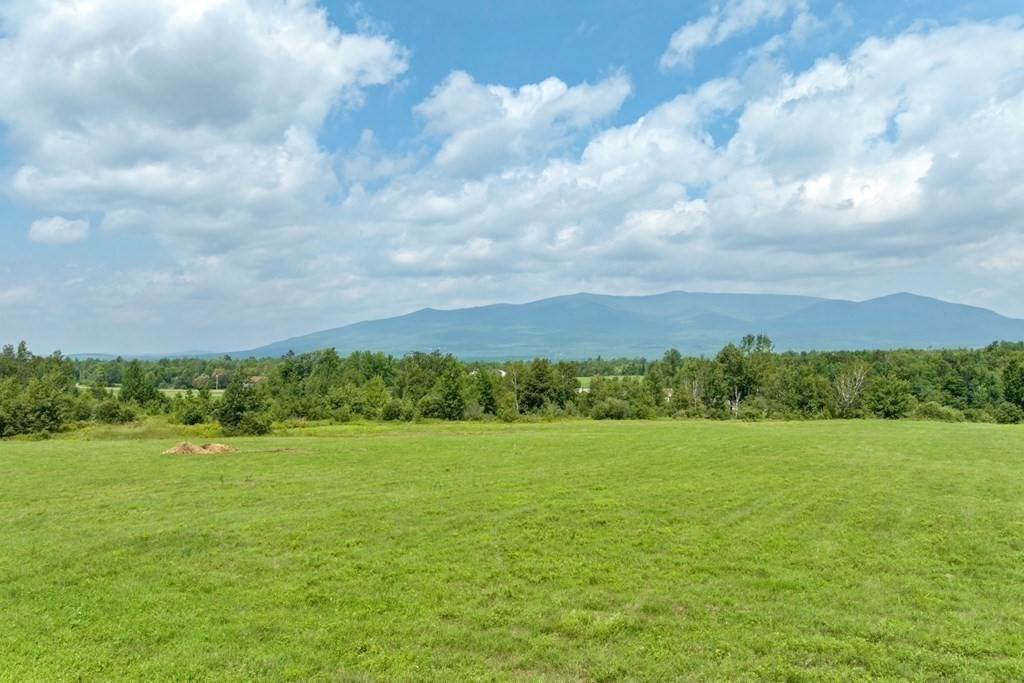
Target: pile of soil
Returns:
[187, 447]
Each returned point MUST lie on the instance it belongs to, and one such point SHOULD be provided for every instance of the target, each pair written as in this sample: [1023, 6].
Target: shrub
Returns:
[936, 411]
[431, 406]
[112, 411]
[611, 409]
[978, 415]
[190, 414]
[82, 407]
[1008, 413]
[251, 424]
[750, 413]
[393, 411]
[190, 409]
[719, 411]
[473, 412]
[508, 413]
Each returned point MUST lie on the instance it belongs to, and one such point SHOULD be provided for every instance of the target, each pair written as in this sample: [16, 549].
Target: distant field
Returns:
[167, 392]
[563, 551]
[175, 392]
[585, 381]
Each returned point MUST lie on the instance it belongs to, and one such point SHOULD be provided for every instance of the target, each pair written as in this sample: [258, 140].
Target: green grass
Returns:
[562, 551]
[169, 393]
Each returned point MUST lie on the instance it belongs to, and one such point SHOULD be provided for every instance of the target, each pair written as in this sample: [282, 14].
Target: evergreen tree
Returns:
[137, 386]
[673, 361]
[889, 396]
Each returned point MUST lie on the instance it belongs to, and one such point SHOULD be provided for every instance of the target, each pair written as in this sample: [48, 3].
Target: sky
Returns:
[219, 174]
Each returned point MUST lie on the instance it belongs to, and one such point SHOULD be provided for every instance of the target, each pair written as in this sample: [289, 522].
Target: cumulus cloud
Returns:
[728, 20]
[903, 152]
[886, 158]
[57, 231]
[487, 126]
[194, 122]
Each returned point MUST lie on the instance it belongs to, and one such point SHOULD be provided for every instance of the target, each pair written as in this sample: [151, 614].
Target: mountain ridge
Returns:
[585, 325]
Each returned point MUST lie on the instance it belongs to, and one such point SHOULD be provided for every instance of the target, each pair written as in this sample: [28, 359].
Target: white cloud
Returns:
[194, 122]
[1001, 255]
[487, 126]
[726, 21]
[17, 296]
[57, 231]
[1009, 261]
[369, 161]
[885, 159]
[899, 155]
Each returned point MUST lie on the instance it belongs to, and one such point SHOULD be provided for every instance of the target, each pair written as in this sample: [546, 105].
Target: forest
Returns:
[749, 380]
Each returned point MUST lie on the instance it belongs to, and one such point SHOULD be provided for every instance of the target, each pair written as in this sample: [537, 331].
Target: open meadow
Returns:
[661, 550]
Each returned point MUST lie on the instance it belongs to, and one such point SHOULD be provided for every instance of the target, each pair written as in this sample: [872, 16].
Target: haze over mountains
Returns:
[587, 325]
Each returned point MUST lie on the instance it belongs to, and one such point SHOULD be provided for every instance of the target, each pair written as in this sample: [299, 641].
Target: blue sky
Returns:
[218, 174]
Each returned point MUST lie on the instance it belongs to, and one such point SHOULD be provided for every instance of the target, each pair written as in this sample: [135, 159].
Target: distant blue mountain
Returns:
[588, 325]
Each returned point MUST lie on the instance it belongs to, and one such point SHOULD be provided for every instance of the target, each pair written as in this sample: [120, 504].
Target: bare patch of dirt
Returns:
[217, 448]
[282, 450]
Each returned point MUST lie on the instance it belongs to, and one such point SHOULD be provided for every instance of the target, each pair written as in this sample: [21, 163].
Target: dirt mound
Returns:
[188, 447]
[185, 447]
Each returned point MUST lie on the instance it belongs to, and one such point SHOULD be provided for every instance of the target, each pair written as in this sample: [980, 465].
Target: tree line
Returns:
[748, 380]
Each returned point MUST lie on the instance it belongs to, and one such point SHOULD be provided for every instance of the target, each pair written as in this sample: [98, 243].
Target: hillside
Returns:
[587, 325]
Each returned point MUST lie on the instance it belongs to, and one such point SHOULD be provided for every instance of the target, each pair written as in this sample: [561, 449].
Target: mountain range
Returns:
[587, 325]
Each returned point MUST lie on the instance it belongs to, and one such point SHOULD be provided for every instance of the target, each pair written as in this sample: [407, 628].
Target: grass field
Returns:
[170, 393]
[585, 381]
[563, 551]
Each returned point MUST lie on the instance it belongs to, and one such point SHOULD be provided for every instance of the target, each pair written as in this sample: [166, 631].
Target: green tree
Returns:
[419, 372]
[889, 396]
[486, 389]
[241, 410]
[699, 382]
[374, 396]
[45, 406]
[191, 408]
[538, 385]
[326, 372]
[673, 361]
[1013, 382]
[137, 386]
[655, 383]
[453, 398]
[515, 377]
[11, 417]
[567, 386]
[736, 373]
